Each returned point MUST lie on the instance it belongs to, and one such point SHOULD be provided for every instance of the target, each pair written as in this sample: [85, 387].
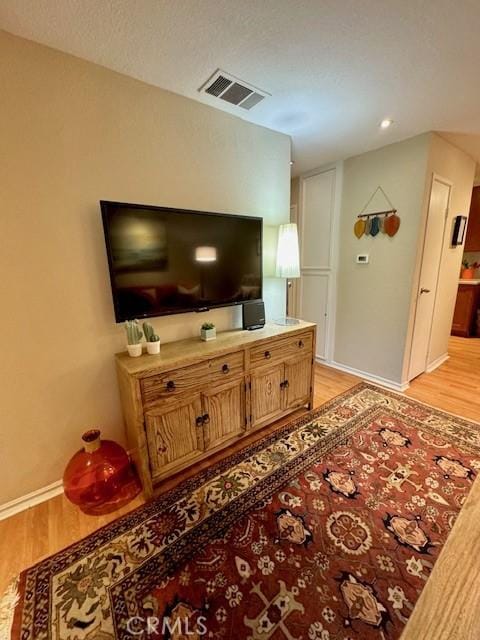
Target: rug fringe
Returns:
[8, 602]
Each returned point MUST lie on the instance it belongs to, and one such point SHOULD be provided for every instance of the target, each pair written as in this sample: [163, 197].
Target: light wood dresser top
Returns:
[176, 354]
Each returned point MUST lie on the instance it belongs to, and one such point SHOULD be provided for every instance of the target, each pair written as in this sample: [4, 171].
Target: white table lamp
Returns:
[288, 260]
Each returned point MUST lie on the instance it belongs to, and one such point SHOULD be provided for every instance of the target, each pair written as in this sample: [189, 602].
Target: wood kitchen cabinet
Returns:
[196, 398]
[472, 238]
[464, 317]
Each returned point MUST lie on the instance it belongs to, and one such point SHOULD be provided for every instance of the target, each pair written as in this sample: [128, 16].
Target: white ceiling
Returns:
[335, 68]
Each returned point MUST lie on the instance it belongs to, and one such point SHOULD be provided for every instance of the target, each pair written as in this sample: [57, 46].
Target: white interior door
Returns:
[314, 303]
[430, 268]
[316, 223]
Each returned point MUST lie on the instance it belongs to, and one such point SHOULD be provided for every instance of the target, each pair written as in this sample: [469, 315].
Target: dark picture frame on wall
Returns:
[459, 227]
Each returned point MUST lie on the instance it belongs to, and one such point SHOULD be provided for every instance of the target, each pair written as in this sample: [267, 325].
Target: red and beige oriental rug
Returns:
[326, 530]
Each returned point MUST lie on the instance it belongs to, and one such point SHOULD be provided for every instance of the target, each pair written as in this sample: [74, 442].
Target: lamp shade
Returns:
[288, 259]
[205, 254]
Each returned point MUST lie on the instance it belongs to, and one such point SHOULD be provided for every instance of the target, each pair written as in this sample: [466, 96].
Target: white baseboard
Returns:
[384, 382]
[436, 363]
[31, 499]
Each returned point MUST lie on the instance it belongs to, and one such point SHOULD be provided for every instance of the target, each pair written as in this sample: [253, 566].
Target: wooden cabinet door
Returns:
[298, 380]
[472, 238]
[266, 394]
[464, 310]
[225, 414]
[174, 435]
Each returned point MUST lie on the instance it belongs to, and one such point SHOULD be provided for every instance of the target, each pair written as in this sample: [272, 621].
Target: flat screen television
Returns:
[165, 261]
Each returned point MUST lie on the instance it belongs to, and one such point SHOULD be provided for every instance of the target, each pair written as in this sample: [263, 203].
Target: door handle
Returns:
[422, 290]
[205, 418]
[199, 421]
[225, 368]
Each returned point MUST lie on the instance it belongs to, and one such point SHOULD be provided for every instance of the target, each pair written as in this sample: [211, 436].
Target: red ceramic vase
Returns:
[100, 477]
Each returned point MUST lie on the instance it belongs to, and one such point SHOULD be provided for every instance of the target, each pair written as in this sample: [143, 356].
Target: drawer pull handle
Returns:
[267, 355]
[170, 385]
[225, 368]
[205, 418]
[199, 421]
[301, 344]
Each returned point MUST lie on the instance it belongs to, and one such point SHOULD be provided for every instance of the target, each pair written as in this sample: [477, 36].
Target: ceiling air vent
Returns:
[233, 90]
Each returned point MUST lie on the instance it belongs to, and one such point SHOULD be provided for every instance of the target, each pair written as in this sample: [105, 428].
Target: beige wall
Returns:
[72, 133]
[454, 165]
[295, 191]
[376, 302]
[373, 301]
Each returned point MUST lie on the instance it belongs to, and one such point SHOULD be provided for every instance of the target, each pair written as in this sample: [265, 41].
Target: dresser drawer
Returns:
[226, 367]
[280, 349]
[173, 383]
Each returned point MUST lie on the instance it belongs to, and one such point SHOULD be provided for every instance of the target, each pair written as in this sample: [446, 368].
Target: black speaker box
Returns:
[253, 315]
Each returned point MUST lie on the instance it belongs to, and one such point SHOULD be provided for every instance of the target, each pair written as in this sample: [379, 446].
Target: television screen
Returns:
[165, 261]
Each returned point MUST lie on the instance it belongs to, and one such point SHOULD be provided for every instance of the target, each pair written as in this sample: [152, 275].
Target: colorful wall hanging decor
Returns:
[359, 227]
[372, 224]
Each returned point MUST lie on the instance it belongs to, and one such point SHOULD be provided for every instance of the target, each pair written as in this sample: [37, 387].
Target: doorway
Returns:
[428, 283]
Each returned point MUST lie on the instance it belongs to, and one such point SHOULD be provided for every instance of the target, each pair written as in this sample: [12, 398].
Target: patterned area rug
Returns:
[326, 530]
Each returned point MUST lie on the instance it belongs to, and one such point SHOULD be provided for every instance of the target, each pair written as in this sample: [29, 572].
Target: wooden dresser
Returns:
[196, 397]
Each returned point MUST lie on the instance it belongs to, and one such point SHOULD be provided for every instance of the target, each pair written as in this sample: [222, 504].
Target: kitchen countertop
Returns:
[470, 281]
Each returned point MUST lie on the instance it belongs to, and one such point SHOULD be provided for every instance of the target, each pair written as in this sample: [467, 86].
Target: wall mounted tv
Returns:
[164, 261]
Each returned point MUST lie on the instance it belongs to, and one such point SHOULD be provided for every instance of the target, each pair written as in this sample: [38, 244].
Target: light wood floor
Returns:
[455, 386]
[449, 605]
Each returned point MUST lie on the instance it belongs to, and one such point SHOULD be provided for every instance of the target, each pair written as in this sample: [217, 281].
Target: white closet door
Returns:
[318, 194]
[317, 205]
[314, 305]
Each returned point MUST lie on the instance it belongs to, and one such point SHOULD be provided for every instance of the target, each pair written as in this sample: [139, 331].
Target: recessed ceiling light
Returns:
[386, 123]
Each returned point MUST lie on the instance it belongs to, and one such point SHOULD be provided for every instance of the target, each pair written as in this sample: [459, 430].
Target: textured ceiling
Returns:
[334, 68]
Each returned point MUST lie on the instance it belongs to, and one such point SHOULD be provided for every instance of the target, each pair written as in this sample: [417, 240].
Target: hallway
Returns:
[455, 385]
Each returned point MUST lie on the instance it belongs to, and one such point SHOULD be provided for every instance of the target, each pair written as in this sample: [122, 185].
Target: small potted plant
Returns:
[134, 336]
[208, 331]
[153, 341]
[468, 270]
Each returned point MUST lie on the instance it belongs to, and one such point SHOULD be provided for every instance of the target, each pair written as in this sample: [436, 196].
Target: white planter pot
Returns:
[208, 334]
[134, 350]
[153, 347]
